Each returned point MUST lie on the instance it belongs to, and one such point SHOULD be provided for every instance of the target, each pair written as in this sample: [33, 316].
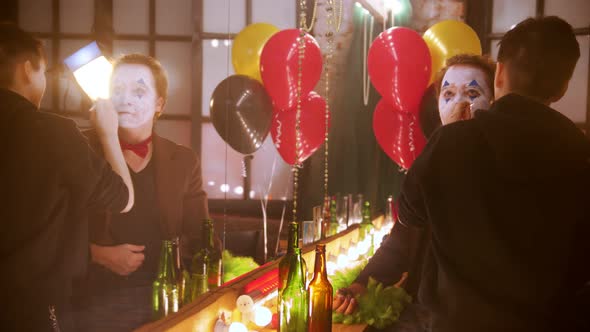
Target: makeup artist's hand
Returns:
[104, 118]
[454, 112]
[122, 259]
[345, 300]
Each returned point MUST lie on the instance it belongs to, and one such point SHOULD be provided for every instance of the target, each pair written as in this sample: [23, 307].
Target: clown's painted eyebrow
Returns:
[474, 83]
[140, 81]
[446, 84]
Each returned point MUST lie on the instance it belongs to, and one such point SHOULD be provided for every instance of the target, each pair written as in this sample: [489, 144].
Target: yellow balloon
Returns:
[447, 39]
[248, 44]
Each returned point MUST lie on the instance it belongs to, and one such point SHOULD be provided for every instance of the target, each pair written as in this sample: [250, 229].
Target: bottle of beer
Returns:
[209, 256]
[293, 242]
[199, 278]
[293, 305]
[367, 227]
[214, 267]
[165, 295]
[181, 273]
[320, 294]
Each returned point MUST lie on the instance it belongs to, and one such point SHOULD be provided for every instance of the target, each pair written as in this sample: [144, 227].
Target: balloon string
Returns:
[279, 134]
[411, 139]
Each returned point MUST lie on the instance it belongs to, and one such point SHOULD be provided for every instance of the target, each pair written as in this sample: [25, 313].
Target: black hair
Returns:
[540, 55]
[17, 45]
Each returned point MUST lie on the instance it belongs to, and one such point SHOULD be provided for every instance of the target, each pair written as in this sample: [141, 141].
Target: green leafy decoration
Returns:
[235, 266]
[379, 307]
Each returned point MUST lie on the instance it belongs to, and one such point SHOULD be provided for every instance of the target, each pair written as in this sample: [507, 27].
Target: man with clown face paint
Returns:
[465, 85]
[170, 202]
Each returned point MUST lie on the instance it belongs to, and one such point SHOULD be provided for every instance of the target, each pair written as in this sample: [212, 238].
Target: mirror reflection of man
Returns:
[170, 202]
[50, 178]
[505, 196]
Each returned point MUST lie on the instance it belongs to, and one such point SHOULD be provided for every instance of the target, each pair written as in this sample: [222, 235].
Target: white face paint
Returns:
[133, 93]
[463, 83]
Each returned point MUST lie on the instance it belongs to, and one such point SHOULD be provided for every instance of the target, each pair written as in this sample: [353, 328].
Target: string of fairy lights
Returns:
[333, 25]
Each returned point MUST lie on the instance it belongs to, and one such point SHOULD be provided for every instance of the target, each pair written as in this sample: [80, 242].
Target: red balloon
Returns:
[398, 134]
[399, 67]
[312, 128]
[278, 67]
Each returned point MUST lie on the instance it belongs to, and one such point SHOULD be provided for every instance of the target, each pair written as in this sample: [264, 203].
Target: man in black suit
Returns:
[49, 178]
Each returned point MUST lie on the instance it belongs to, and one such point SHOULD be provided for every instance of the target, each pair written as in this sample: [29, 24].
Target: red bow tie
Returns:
[141, 149]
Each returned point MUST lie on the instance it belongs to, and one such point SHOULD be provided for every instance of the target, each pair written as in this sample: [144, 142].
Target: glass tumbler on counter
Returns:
[309, 232]
[317, 220]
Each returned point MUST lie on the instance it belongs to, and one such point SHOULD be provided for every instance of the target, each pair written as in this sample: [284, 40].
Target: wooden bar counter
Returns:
[200, 316]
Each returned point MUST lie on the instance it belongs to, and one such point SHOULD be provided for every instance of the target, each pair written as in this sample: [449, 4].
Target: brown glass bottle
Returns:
[320, 295]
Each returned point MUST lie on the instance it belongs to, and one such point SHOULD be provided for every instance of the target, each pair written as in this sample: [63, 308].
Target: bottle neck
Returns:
[208, 234]
[166, 266]
[366, 213]
[295, 276]
[320, 263]
[293, 237]
[176, 253]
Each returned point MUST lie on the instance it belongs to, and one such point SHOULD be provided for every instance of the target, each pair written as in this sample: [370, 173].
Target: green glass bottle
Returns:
[165, 295]
[199, 278]
[209, 256]
[182, 276]
[214, 265]
[292, 243]
[293, 305]
[366, 227]
[320, 294]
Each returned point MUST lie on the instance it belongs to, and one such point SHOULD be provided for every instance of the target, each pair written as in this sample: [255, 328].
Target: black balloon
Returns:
[429, 117]
[241, 112]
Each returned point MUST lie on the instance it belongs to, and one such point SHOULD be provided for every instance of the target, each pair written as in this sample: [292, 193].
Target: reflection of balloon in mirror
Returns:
[247, 47]
[399, 67]
[447, 39]
[312, 128]
[398, 134]
[279, 67]
[241, 112]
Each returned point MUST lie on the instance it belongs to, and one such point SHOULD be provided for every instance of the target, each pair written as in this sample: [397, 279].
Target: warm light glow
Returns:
[394, 5]
[331, 267]
[363, 246]
[214, 42]
[224, 187]
[262, 316]
[211, 183]
[238, 190]
[342, 262]
[353, 253]
[237, 327]
[94, 77]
